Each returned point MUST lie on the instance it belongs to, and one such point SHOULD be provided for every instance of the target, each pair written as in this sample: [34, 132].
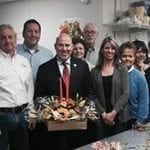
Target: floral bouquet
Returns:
[113, 145]
[55, 111]
[53, 108]
[72, 28]
[64, 113]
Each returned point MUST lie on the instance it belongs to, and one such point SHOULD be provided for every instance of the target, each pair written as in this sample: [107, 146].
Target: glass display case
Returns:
[134, 19]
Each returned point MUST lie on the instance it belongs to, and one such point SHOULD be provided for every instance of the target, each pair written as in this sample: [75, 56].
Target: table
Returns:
[129, 140]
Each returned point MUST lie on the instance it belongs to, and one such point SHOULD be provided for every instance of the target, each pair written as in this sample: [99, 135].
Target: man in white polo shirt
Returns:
[16, 93]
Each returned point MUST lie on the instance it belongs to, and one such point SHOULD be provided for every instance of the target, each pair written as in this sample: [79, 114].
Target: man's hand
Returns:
[32, 124]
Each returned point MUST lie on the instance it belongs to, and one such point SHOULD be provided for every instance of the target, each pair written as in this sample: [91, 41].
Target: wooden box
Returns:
[67, 125]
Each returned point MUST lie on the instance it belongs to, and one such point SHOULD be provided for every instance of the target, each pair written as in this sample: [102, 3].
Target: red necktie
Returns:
[66, 79]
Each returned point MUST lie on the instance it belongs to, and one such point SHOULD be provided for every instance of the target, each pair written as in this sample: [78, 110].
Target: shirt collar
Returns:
[28, 50]
[91, 49]
[132, 67]
[5, 54]
[60, 62]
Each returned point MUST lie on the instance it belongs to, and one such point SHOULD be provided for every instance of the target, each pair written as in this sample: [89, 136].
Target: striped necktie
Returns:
[66, 78]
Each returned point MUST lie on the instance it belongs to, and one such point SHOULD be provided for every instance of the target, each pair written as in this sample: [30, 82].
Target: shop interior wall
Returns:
[52, 13]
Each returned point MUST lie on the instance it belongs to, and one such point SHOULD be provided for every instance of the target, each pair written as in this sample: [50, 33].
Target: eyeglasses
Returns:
[90, 32]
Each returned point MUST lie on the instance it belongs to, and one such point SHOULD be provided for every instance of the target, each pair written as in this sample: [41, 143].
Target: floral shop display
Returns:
[61, 113]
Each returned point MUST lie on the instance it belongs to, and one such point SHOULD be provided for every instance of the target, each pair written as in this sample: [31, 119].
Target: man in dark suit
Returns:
[47, 84]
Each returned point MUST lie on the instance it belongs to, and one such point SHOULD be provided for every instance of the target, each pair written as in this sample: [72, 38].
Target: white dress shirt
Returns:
[61, 66]
[16, 83]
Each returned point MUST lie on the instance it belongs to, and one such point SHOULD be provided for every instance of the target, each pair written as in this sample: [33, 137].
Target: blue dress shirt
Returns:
[38, 57]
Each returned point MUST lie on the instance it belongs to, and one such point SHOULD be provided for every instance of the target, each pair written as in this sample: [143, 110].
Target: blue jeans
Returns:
[13, 131]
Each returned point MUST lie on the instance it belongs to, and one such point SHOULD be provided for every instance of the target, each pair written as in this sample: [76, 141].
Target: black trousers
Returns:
[38, 137]
[41, 139]
[105, 131]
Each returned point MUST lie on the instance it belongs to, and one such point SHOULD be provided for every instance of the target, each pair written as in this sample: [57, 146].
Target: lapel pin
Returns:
[75, 65]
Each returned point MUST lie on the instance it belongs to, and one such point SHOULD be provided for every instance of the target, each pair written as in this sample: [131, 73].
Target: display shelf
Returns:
[127, 26]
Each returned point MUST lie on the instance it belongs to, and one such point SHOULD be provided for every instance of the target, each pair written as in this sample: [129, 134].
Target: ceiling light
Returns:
[86, 2]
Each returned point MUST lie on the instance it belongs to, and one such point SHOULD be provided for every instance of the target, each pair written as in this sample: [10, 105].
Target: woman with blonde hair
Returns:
[110, 81]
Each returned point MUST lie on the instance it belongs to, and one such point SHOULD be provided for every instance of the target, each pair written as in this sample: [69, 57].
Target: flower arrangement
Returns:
[55, 109]
[142, 127]
[61, 113]
[73, 28]
[113, 145]
[59, 108]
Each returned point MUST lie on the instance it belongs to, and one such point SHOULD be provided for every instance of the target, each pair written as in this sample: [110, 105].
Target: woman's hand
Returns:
[108, 118]
[111, 116]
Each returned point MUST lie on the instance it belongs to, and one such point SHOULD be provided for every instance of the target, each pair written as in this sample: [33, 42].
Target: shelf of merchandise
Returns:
[128, 27]
[131, 27]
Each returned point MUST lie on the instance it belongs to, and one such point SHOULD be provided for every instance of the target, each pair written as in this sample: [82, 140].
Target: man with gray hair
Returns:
[16, 88]
[90, 34]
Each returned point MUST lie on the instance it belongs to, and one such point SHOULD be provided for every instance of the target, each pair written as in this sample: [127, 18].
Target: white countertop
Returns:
[129, 140]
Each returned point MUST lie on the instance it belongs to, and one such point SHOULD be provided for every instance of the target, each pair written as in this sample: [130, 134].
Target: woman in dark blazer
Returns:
[110, 81]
